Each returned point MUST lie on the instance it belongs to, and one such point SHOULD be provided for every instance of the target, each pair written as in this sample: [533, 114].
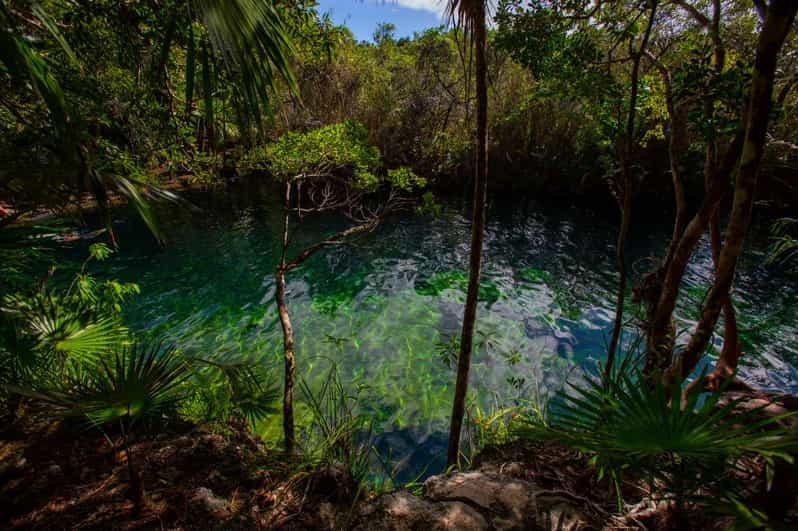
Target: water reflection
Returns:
[385, 307]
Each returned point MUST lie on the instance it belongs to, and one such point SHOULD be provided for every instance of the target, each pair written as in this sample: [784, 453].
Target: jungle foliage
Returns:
[610, 100]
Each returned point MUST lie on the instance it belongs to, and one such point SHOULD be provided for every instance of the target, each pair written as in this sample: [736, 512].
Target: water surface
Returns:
[387, 308]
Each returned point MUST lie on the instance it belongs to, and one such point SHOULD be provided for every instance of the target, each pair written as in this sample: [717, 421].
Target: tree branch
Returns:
[335, 239]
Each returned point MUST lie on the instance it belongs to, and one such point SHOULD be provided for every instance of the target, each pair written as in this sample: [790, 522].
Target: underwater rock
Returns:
[412, 449]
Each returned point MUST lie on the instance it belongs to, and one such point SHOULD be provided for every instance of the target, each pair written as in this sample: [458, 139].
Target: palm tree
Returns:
[470, 16]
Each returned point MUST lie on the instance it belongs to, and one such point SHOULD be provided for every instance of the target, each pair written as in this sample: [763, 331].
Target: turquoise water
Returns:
[385, 309]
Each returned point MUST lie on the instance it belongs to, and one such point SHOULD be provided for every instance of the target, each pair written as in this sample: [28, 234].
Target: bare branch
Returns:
[697, 15]
[336, 239]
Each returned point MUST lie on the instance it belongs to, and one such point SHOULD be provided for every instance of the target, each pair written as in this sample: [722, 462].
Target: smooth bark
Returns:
[288, 330]
[285, 265]
[730, 353]
[650, 286]
[659, 343]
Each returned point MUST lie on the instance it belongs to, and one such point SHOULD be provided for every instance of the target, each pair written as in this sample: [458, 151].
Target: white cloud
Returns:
[433, 6]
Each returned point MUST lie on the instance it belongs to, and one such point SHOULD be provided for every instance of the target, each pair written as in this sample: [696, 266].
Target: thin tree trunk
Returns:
[659, 342]
[477, 237]
[675, 151]
[282, 307]
[620, 257]
[288, 331]
[727, 362]
[650, 286]
[626, 191]
[730, 352]
[780, 16]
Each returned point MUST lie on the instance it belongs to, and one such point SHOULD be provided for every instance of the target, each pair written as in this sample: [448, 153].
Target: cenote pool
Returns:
[386, 308]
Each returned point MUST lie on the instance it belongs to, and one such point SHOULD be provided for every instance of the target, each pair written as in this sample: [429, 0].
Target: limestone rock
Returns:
[507, 502]
[402, 511]
[474, 501]
[204, 498]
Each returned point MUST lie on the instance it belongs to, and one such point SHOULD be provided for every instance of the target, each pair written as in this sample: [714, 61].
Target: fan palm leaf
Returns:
[140, 382]
[249, 390]
[624, 422]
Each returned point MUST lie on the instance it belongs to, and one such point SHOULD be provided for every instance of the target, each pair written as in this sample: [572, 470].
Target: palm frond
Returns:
[49, 24]
[249, 390]
[25, 66]
[64, 329]
[141, 382]
[250, 38]
[465, 14]
[624, 422]
[22, 247]
[88, 343]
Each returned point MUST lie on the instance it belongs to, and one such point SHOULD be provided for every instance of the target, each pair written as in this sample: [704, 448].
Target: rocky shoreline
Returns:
[53, 477]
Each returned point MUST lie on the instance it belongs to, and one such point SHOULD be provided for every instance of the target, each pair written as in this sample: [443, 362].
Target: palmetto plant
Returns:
[45, 334]
[145, 384]
[225, 389]
[134, 384]
[625, 424]
[138, 382]
[50, 330]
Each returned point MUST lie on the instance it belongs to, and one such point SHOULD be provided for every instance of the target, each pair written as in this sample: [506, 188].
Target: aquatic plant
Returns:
[336, 434]
[440, 282]
[785, 246]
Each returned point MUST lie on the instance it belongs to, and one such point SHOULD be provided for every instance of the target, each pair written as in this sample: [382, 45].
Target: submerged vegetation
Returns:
[644, 107]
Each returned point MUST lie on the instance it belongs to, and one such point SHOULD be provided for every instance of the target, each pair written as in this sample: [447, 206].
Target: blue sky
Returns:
[362, 16]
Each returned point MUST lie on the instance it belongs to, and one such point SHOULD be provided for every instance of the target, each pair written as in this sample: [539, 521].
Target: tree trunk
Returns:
[626, 191]
[620, 257]
[282, 308]
[650, 286]
[727, 362]
[288, 331]
[676, 144]
[780, 16]
[136, 493]
[477, 237]
[659, 343]
[730, 352]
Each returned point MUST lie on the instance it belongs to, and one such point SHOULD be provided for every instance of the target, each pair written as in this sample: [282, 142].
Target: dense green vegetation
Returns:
[687, 106]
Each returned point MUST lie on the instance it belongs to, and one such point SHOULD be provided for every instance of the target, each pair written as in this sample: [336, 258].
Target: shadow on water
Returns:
[387, 307]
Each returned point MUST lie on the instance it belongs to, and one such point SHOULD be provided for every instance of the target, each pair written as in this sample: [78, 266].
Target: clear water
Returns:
[384, 308]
